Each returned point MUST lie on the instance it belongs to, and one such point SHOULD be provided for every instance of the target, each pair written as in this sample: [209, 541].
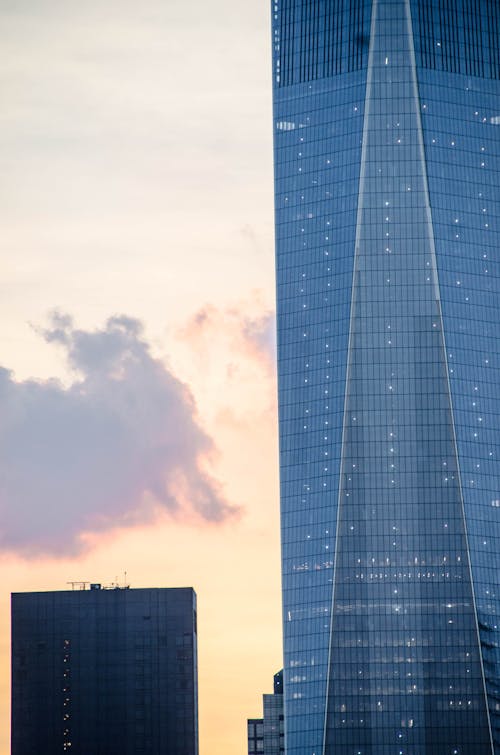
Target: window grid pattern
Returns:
[255, 736]
[458, 36]
[405, 670]
[105, 671]
[416, 456]
[462, 143]
[319, 38]
[317, 156]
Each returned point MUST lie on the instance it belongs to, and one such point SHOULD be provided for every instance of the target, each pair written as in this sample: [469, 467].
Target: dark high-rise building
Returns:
[105, 672]
[387, 176]
[266, 735]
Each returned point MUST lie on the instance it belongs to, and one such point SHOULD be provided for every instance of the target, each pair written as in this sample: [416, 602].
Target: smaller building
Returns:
[255, 736]
[105, 672]
[266, 735]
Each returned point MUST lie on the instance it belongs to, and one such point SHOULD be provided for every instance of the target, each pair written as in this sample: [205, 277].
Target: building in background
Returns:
[387, 175]
[105, 671]
[266, 735]
[255, 736]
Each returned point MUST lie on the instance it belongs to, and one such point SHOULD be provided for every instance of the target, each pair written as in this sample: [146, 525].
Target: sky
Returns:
[137, 350]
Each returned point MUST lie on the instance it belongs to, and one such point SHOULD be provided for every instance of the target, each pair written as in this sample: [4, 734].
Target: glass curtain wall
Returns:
[386, 163]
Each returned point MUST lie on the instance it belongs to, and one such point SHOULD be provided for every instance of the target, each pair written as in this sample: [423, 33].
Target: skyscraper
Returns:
[387, 175]
[105, 672]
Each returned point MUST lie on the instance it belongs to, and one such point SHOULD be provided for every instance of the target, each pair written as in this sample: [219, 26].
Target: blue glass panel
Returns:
[318, 131]
[461, 126]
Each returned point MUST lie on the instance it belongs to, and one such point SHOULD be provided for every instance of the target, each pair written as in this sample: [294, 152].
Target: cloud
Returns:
[108, 450]
[259, 336]
[248, 334]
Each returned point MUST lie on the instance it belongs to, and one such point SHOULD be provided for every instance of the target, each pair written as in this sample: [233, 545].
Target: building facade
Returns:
[255, 736]
[387, 176]
[105, 671]
[266, 735]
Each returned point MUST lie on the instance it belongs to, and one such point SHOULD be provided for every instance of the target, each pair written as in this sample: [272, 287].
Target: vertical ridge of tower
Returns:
[401, 544]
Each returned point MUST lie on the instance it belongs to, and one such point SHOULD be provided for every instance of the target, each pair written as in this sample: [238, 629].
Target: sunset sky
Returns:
[137, 356]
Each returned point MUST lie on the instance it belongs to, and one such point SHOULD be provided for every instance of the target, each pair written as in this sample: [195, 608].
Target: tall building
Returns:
[266, 735]
[105, 672]
[387, 176]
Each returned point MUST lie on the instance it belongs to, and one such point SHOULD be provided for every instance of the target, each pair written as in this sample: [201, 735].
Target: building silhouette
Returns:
[266, 735]
[387, 175]
[105, 672]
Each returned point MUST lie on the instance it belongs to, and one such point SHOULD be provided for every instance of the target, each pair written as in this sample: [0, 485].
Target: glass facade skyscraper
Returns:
[387, 178]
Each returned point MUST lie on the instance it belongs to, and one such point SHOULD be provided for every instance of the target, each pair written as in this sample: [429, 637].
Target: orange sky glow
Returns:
[137, 204]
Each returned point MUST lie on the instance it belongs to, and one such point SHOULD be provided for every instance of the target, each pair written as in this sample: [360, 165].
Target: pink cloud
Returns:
[249, 334]
[122, 440]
